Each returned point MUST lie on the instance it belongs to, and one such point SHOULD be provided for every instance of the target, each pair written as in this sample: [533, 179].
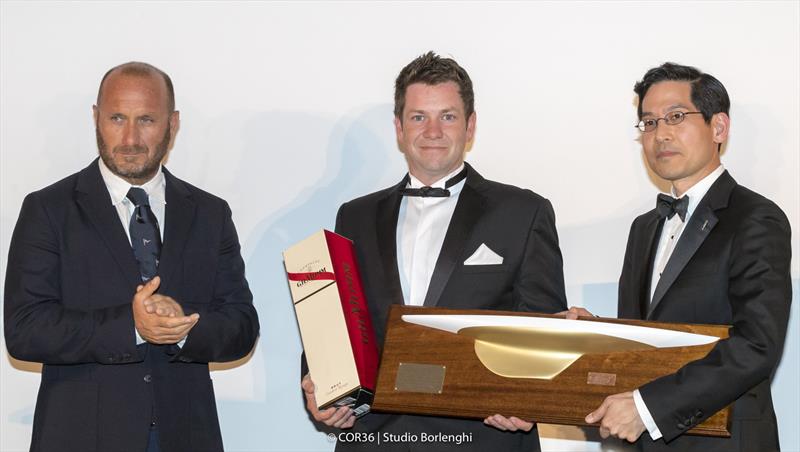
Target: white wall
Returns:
[286, 113]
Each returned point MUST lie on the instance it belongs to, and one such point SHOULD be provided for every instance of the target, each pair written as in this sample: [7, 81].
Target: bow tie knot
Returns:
[434, 192]
[426, 192]
[667, 206]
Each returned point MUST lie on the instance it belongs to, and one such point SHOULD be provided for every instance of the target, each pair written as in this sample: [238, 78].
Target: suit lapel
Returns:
[644, 271]
[178, 218]
[388, 210]
[94, 200]
[699, 227]
[469, 208]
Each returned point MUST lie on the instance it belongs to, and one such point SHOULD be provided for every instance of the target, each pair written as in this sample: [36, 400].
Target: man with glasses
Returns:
[711, 252]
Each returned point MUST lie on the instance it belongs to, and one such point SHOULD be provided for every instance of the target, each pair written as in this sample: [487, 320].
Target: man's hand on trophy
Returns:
[618, 417]
[341, 417]
[510, 424]
[576, 311]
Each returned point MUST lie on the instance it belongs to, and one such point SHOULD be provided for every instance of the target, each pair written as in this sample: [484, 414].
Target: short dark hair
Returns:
[708, 93]
[139, 69]
[431, 69]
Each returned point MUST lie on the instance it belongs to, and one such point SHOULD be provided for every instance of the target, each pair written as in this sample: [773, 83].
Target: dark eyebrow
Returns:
[670, 108]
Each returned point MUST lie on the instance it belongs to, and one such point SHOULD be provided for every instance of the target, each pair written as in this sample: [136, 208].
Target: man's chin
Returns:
[137, 172]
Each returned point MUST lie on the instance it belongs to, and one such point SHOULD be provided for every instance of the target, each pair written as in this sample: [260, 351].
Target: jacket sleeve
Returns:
[38, 325]
[539, 285]
[228, 325]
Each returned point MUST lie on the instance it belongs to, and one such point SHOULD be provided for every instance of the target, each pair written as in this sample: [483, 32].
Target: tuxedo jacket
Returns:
[730, 266]
[517, 224]
[70, 281]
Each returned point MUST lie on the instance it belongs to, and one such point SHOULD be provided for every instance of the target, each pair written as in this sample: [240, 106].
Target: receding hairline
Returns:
[140, 69]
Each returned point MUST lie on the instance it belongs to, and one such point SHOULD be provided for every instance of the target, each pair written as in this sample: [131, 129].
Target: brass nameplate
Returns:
[603, 379]
[425, 378]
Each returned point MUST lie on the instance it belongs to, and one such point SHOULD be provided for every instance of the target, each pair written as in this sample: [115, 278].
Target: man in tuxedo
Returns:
[711, 252]
[125, 282]
[446, 237]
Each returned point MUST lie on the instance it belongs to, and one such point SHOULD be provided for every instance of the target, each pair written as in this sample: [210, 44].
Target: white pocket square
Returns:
[484, 256]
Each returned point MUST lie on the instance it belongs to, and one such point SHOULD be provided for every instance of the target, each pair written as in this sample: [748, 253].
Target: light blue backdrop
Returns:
[286, 113]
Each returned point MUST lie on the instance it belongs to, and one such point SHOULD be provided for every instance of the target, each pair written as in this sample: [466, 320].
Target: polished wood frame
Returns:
[470, 390]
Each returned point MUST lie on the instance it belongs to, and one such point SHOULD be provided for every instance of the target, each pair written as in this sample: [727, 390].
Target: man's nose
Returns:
[663, 132]
[433, 129]
[130, 134]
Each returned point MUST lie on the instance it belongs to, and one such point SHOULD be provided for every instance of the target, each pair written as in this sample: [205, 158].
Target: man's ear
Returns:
[174, 126]
[721, 123]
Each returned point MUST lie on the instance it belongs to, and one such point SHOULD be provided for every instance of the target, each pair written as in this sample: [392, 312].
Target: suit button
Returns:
[148, 378]
[699, 413]
[680, 426]
[184, 359]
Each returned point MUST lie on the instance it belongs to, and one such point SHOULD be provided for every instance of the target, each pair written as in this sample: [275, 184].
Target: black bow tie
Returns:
[667, 206]
[426, 192]
[434, 192]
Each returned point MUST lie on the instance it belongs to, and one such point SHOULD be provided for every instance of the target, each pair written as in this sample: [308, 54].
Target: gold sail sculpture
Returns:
[527, 347]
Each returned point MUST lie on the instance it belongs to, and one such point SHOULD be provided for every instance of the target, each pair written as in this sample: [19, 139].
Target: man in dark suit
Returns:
[446, 237]
[126, 368]
[712, 252]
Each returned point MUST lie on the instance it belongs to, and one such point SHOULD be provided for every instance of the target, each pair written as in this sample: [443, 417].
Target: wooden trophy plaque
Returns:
[429, 371]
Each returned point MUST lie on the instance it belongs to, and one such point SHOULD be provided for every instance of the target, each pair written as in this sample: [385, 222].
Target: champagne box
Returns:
[334, 321]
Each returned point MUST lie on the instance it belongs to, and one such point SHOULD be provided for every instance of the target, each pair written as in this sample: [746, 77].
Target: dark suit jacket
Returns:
[69, 284]
[730, 266]
[515, 223]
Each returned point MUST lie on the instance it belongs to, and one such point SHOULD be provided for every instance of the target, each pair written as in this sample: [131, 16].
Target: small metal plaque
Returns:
[425, 378]
[599, 378]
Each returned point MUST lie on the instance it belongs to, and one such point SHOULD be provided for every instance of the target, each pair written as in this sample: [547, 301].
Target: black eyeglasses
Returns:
[672, 118]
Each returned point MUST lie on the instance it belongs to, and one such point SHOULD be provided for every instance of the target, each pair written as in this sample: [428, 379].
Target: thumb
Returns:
[151, 286]
[148, 289]
[308, 384]
[596, 415]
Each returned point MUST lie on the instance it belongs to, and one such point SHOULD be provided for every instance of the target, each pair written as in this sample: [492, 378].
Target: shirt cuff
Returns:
[647, 418]
[139, 340]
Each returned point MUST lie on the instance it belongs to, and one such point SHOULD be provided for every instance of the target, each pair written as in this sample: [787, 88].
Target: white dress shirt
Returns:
[670, 234]
[156, 193]
[421, 226]
[118, 189]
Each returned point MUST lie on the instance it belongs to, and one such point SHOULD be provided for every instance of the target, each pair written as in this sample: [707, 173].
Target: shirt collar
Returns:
[118, 187]
[698, 191]
[416, 183]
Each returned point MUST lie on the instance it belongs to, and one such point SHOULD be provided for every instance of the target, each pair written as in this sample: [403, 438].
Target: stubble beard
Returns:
[141, 173]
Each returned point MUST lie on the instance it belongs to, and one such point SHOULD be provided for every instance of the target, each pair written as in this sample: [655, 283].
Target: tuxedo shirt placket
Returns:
[421, 229]
[673, 229]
